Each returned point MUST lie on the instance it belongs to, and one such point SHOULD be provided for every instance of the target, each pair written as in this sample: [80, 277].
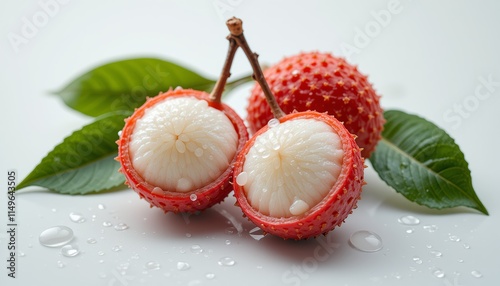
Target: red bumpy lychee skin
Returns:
[332, 210]
[324, 83]
[170, 200]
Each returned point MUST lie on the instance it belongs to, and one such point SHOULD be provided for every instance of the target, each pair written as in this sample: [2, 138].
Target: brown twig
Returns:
[235, 27]
[216, 94]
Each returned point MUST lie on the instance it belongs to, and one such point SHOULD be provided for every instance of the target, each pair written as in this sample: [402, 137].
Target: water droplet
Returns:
[21, 254]
[193, 197]
[76, 217]
[298, 207]
[195, 248]
[107, 224]
[100, 253]
[439, 273]
[121, 226]
[366, 241]
[198, 152]
[188, 234]
[428, 246]
[117, 248]
[70, 250]
[184, 184]
[410, 230]
[408, 220]
[56, 236]
[54, 210]
[417, 260]
[273, 123]
[430, 228]
[436, 254]
[120, 133]
[454, 238]
[101, 206]
[152, 265]
[157, 191]
[227, 242]
[460, 261]
[256, 233]
[182, 266]
[242, 178]
[466, 246]
[476, 274]
[91, 240]
[210, 276]
[226, 261]
[61, 264]
[265, 154]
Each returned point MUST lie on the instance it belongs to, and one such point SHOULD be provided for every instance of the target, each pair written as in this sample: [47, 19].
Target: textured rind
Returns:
[173, 201]
[324, 83]
[332, 210]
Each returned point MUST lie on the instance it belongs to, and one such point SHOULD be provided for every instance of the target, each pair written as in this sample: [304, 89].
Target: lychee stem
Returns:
[235, 26]
[216, 94]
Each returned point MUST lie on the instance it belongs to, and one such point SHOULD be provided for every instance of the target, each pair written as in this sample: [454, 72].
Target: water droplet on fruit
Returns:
[226, 261]
[273, 123]
[198, 152]
[408, 220]
[120, 133]
[476, 274]
[195, 248]
[152, 265]
[193, 197]
[76, 217]
[157, 191]
[256, 233]
[366, 241]
[182, 266]
[184, 184]
[180, 146]
[242, 178]
[298, 207]
[121, 226]
[295, 72]
[56, 236]
[70, 250]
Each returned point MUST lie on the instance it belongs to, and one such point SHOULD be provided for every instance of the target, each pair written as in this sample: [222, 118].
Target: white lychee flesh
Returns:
[291, 167]
[182, 144]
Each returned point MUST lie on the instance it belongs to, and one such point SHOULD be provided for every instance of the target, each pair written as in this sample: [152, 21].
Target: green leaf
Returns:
[84, 161]
[125, 84]
[423, 163]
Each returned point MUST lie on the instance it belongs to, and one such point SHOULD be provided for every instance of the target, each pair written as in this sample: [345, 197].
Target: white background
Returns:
[428, 59]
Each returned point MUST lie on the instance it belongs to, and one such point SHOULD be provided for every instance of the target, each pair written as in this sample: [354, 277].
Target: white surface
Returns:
[428, 59]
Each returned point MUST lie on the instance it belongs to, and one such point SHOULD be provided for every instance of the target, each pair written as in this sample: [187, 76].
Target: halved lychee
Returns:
[178, 149]
[300, 176]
